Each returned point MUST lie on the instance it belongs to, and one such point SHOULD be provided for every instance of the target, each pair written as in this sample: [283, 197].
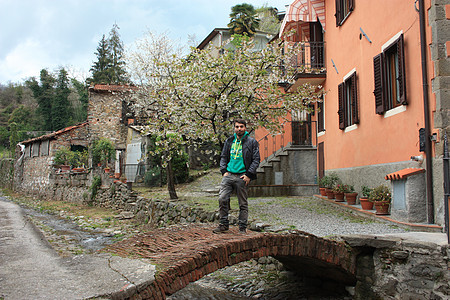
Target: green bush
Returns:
[102, 151]
[96, 183]
[155, 176]
[380, 193]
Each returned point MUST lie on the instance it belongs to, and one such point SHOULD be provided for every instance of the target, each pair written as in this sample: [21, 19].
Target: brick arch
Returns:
[186, 254]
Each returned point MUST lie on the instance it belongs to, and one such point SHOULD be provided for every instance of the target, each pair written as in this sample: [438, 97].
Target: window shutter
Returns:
[320, 125]
[378, 83]
[401, 70]
[355, 109]
[338, 12]
[351, 5]
[341, 110]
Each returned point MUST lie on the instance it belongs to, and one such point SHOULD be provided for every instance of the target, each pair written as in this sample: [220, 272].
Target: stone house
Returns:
[34, 168]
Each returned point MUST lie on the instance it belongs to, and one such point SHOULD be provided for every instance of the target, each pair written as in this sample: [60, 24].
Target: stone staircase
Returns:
[290, 171]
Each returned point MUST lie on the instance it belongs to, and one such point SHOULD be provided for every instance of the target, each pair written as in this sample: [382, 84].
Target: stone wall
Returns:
[106, 116]
[389, 267]
[438, 18]
[147, 211]
[6, 173]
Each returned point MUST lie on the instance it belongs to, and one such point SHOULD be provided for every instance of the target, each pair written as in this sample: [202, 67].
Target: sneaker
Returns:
[242, 230]
[221, 228]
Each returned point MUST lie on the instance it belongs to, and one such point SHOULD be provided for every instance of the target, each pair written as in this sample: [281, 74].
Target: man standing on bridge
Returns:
[238, 163]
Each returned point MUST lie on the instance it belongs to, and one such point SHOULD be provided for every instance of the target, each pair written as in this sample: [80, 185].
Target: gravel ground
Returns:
[315, 216]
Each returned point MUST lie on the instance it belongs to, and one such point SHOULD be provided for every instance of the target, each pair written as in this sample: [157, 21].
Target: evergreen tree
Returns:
[117, 72]
[44, 93]
[110, 65]
[83, 97]
[100, 68]
[243, 19]
[61, 104]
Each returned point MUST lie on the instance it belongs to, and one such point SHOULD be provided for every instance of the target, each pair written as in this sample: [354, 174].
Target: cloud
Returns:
[39, 34]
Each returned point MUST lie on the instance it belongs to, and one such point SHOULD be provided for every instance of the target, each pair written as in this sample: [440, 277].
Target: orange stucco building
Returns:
[372, 120]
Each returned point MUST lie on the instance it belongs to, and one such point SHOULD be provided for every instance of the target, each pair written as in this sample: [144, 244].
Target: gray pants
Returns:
[229, 183]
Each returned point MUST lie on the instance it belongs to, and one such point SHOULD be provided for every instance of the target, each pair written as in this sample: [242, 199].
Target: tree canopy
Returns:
[110, 65]
[200, 95]
[243, 19]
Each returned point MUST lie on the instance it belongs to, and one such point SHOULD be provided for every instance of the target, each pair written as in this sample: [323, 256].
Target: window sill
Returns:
[321, 133]
[395, 111]
[350, 128]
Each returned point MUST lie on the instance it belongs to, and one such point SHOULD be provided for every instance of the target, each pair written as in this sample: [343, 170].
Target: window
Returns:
[343, 9]
[35, 149]
[348, 102]
[389, 77]
[44, 147]
[320, 116]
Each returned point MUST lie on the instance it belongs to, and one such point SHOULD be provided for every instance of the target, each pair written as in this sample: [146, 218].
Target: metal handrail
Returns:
[281, 140]
[311, 56]
[446, 186]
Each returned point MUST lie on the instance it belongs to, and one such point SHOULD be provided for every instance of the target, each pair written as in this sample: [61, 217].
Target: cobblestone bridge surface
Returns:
[185, 254]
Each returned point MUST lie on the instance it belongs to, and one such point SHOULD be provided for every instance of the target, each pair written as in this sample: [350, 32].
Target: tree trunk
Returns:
[171, 181]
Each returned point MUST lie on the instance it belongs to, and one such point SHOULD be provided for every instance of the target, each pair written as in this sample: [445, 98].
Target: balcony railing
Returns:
[296, 133]
[311, 56]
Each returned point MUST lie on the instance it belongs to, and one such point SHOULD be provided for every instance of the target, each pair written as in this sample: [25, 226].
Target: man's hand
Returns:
[246, 179]
[226, 174]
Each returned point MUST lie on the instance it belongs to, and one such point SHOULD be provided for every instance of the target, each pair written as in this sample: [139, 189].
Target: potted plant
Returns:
[323, 185]
[350, 195]
[63, 158]
[381, 198]
[102, 152]
[364, 199]
[339, 190]
[79, 160]
[332, 181]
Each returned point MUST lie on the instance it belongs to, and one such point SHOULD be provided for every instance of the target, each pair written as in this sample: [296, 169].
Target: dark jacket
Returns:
[250, 153]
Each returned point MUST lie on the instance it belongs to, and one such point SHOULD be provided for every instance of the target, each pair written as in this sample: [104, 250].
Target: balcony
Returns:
[308, 63]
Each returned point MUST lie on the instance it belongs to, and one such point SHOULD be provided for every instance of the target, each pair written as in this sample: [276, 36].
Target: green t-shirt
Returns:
[236, 163]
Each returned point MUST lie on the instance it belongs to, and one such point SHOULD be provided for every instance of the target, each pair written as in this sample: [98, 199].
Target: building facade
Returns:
[384, 103]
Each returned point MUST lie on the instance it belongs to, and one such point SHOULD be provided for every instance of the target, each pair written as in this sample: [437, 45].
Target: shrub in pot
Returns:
[339, 191]
[102, 151]
[332, 181]
[350, 195]
[364, 199]
[381, 198]
[323, 182]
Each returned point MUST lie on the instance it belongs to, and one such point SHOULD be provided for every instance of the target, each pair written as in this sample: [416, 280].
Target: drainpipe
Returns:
[428, 150]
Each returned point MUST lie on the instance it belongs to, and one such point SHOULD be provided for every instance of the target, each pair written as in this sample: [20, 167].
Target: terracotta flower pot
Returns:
[323, 191]
[351, 198]
[330, 194]
[339, 196]
[64, 168]
[366, 204]
[382, 207]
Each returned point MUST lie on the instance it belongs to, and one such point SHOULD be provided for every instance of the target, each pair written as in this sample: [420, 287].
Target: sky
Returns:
[49, 34]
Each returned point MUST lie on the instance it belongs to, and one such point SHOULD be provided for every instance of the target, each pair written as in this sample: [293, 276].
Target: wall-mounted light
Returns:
[364, 34]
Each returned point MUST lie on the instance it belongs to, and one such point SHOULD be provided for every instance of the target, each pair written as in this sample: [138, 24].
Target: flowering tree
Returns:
[199, 95]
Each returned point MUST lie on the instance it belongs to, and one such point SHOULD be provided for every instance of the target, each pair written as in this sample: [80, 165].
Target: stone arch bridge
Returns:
[186, 254]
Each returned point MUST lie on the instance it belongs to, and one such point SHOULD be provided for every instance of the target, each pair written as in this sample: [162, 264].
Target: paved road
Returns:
[31, 269]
